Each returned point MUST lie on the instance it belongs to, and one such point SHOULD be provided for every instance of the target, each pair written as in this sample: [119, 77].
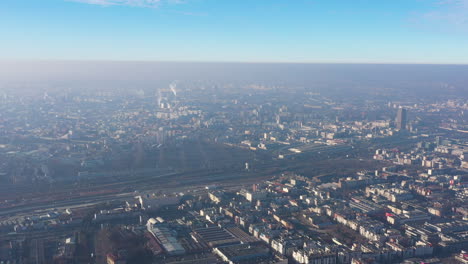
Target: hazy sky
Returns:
[395, 31]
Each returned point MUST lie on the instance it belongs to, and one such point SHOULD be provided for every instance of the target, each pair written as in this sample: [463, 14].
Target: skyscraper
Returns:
[401, 119]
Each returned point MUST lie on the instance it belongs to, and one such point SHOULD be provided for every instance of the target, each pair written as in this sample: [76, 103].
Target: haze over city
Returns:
[233, 132]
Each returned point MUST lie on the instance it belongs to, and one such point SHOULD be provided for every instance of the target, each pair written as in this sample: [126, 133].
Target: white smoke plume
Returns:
[173, 87]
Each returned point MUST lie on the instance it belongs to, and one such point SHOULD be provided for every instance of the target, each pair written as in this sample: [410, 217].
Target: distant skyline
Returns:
[297, 31]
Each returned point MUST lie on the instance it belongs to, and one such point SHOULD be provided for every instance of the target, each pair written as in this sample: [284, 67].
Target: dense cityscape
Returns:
[201, 172]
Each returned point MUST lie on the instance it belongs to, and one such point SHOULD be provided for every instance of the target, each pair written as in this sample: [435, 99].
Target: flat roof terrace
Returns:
[214, 236]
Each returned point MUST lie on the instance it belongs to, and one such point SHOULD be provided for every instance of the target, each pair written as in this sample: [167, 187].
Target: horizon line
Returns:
[231, 62]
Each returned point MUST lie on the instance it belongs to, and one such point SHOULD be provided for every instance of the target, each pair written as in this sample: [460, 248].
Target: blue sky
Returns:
[369, 31]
